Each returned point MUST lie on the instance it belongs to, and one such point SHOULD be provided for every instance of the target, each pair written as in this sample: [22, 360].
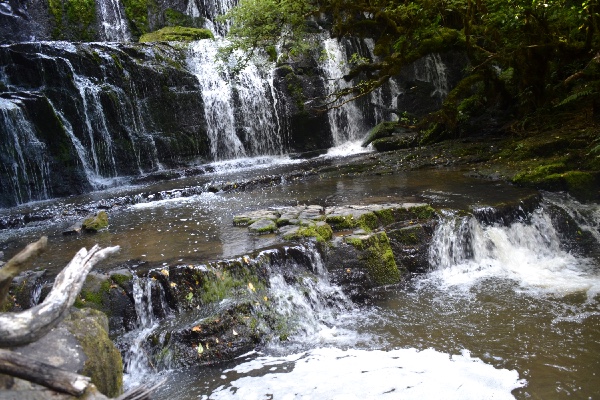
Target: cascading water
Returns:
[350, 120]
[137, 364]
[241, 111]
[24, 158]
[115, 27]
[346, 120]
[431, 69]
[464, 252]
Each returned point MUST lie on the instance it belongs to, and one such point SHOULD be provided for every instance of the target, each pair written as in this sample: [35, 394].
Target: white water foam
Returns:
[331, 373]
[347, 149]
[465, 252]
[251, 163]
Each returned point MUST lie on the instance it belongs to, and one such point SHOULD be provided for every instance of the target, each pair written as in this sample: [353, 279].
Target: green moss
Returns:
[121, 279]
[341, 222]
[136, 12]
[73, 19]
[423, 212]
[227, 283]
[103, 364]
[378, 257]
[177, 34]
[384, 129]
[386, 216]
[321, 232]
[96, 223]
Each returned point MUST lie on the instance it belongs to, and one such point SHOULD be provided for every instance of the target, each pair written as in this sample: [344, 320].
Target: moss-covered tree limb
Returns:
[18, 264]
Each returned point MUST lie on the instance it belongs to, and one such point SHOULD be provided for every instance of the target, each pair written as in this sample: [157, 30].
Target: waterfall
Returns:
[111, 15]
[240, 111]
[465, 251]
[350, 120]
[210, 10]
[346, 120]
[431, 69]
[23, 157]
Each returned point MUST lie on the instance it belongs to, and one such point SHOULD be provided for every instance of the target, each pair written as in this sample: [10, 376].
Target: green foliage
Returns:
[136, 12]
[73, 19]
[525, 55]
[176, 18]
[176, 34]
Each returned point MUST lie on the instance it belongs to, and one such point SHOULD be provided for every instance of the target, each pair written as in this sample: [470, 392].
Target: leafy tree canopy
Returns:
[524, 54]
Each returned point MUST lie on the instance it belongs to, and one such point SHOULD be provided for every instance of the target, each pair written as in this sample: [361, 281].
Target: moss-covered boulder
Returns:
[111, 294]
[376, 253]
[394, 143]
[557, 177]
[79, 344]
[95, 223]
[177, 34]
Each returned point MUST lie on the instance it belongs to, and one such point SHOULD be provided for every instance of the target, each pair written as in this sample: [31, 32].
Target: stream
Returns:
[511, 314]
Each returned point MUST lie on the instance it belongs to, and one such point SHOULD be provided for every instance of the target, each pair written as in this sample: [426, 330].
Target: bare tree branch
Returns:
[18, 264]
[17, 329]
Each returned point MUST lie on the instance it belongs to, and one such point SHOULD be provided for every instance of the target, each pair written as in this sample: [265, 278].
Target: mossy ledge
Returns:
[176, 34]
[377, 255]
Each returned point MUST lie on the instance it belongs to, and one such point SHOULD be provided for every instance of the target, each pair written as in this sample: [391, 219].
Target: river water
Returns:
[515, 315]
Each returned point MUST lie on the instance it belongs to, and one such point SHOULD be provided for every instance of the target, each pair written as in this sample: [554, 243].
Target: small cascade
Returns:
[431, 69]
[111, 15]
[24, 159]
[137, 365]
[465, 251]
[351, 120]
[241, 111]
[311, 306]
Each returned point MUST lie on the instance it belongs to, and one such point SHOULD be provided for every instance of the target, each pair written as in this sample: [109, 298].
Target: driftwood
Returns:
[17, 329]
[21, 328]
[14, 364]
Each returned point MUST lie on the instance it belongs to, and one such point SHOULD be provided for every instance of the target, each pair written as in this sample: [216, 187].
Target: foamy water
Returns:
[331, 373]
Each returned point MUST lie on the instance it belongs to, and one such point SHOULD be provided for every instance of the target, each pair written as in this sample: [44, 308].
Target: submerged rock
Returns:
[95, 223]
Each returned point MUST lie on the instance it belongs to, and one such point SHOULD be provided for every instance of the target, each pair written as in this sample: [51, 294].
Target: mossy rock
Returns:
[96, 223]
[382, 130]
[176, 34]
[263, 226]
[104, 364]
[377, 255]
[394, 143]
[556, 177]
[321, 231]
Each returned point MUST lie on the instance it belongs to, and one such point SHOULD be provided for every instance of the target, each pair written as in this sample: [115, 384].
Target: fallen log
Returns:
[20, 366]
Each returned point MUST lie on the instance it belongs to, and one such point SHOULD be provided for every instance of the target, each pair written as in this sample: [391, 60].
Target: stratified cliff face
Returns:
[73, 117]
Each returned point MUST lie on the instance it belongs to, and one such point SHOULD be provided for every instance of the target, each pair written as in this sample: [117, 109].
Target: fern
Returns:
[575, 96]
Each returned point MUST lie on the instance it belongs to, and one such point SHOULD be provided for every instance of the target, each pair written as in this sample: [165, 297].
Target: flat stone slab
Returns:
[351, 217]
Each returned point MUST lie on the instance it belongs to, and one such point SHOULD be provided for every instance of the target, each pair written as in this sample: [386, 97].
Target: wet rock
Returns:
[396, 142]
[111, 294]
[263, 226]
[95, 223]
[79, 344]
[26, 290]
[74, 229]
[410, 245]
[376, 254]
